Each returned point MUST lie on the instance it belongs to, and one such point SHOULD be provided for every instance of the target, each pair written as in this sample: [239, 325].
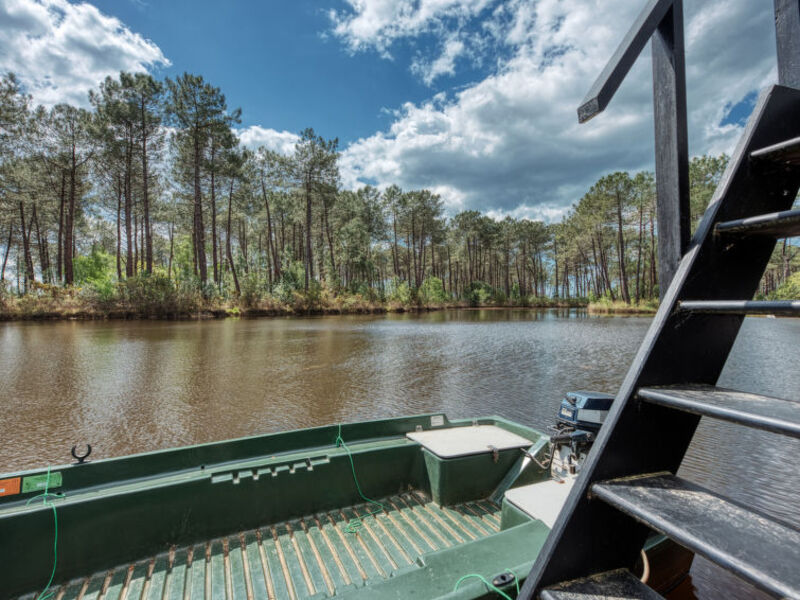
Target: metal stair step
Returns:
[620, 584]
[787, 152]
[761, 412]
[789, 308]
[757, 548]
[778, 224]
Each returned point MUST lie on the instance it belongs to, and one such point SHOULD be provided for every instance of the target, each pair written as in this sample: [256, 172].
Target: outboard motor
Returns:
[580, 417]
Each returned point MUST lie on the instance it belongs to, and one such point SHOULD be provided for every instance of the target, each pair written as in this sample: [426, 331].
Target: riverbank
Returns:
[74, 307]
[605, 307]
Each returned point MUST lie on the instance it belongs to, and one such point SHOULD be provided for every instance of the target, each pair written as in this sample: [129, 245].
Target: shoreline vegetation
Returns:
[222, 312]
[161, 299]
[148, 205]
[607, 307]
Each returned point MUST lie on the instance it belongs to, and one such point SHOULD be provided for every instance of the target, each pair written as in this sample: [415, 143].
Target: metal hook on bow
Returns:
[81, 459]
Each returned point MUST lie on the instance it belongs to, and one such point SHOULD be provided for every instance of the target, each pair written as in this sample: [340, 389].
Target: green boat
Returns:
[412, 507]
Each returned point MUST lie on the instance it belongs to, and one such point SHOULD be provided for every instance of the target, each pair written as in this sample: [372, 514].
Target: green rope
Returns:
[489, 585]
[356, 522]
[45, 502]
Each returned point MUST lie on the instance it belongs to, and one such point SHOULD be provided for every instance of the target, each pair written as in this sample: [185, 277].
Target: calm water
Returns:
[135, 386]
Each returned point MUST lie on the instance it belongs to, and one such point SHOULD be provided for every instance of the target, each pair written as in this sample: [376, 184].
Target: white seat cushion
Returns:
[543, 500]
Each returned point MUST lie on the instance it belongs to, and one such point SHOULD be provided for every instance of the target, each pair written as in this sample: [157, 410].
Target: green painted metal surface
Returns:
[310, 557]
[511, 516]
[260, 517]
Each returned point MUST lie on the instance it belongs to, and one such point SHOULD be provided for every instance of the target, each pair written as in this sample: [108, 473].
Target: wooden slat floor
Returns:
[310, 557]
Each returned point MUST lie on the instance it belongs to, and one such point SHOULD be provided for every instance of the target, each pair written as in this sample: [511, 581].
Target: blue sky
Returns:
[474, 99]
[275, 60]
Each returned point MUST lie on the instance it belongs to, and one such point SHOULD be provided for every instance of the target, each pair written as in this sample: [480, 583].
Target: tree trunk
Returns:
[321, 247]
[243, 244]
[130, 265]
[194, 248]
[69, 245]
[18, 270]
[26, 248]
[9, 241]
[639, 254]
[119, 228]
[604, 266]
[523, 286]
[414, 249]
[135, 244]
[214, 217]
[270, 240]
[623, 275]
[60, 249]
[330, 240]
[228, 243]
[653, 267]
[450, 281]
[142, 261]
[200, 239]
[555, 265]
[148, 233]
[785, 261]
[44, 259]
[422, 252]
[508, 269]
[308, 257]
[283, 236]
[395, 260]
[171, 248]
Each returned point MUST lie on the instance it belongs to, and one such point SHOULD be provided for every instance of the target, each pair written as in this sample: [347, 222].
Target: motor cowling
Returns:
[584, 410]
[579, 419]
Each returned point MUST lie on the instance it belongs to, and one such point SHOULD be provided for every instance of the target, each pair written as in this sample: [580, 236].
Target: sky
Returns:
[474, 99]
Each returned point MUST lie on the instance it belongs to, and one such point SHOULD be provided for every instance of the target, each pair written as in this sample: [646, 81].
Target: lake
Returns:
[134, 386]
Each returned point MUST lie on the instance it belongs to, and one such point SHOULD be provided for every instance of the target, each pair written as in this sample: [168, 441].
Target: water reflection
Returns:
[136, 386]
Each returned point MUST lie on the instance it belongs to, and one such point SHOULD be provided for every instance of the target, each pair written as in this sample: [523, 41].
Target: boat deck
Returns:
[311, 557]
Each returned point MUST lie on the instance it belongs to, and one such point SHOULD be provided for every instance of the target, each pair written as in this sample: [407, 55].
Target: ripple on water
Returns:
[137, 386]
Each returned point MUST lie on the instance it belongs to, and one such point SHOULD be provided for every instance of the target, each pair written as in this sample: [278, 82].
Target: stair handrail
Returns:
[605, 86]
[662, 22]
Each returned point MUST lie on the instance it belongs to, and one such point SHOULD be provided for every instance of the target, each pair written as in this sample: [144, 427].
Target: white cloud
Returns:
[60, 50]
[256, 136]
[452, 198]
[511, 143]
[547, 213]
[444, 64]
[378, 23]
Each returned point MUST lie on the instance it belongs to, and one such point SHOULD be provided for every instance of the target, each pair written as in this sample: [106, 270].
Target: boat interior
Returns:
[380, 509]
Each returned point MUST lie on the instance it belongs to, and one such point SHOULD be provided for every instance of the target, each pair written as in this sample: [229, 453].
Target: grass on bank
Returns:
[157, 296]
[605, 306]
[788, 290]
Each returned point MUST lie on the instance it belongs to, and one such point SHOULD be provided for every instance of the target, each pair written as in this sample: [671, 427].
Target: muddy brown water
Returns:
[131, 387]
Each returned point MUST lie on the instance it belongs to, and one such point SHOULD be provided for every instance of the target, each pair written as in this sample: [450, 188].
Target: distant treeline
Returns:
[152, 186]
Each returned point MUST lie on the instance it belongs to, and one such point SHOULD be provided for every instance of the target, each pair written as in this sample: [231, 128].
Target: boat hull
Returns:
[288, 515]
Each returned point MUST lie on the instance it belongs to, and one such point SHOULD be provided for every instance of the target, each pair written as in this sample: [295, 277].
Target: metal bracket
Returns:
[81, 459]
[503, 579]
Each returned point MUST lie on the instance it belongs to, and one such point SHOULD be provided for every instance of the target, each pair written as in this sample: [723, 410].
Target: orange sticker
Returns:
[9, 487]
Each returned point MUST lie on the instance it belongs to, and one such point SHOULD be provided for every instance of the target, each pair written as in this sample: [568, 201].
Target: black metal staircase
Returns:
[628, 485]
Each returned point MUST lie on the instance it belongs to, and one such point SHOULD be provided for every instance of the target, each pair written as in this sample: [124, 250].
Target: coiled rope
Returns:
[46, 502]
[356, 522]
[489, 585]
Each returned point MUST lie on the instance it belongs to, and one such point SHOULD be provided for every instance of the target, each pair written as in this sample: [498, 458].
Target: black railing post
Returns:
[672, 152]
[787, 38]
